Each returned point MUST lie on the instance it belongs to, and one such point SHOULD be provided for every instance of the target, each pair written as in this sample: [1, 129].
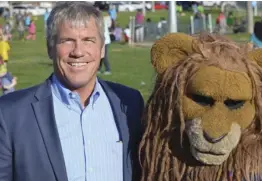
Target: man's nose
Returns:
[78, 50]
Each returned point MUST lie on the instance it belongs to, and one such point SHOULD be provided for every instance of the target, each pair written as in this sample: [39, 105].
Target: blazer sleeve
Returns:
[5, 152]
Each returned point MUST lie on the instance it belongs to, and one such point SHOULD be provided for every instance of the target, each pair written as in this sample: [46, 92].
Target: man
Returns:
[73, 126]
[46, 15]
[105, 60]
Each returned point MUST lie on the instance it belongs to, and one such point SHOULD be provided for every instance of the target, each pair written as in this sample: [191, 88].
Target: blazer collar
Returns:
[44, 113]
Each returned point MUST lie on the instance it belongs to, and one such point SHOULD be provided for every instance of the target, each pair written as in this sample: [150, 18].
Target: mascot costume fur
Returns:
[203, 121]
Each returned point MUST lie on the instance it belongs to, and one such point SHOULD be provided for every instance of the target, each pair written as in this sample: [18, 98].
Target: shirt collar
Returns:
[65, 95]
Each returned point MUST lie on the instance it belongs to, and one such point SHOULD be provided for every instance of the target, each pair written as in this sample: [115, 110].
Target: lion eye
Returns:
[234, 104]
[203, 100]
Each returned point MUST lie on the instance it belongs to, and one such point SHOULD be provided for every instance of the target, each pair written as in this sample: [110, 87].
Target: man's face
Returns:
[78, 53]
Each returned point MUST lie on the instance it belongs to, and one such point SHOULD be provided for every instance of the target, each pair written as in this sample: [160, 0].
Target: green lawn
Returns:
[130, 66]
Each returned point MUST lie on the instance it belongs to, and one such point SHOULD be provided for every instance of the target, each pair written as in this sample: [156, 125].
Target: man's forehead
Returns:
[79, 23]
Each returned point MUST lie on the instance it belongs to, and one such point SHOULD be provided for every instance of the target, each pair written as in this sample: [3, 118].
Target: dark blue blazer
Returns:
[30, 148]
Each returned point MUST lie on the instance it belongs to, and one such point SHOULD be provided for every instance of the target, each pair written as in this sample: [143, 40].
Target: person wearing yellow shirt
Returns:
[4, 48]
[7, 81]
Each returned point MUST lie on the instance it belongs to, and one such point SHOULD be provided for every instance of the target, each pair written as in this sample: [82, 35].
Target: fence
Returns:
[150, 31]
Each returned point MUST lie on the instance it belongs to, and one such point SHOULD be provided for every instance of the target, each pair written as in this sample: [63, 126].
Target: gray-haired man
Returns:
[74, 126]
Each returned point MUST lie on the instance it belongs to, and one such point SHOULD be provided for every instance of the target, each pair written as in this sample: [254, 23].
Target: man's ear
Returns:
[103, 51]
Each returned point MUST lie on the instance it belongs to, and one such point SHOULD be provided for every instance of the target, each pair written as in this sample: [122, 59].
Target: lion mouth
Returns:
[208, 152]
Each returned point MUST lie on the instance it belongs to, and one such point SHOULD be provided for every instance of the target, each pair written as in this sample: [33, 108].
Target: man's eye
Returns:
[202, 100]
[234, 104]
[89, 41]
[65, 41]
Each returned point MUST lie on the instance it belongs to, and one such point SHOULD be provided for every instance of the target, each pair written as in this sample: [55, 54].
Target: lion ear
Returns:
[256, 55]
[169, 50]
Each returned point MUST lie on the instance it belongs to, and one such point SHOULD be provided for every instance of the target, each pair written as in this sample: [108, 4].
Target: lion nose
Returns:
[213, 140]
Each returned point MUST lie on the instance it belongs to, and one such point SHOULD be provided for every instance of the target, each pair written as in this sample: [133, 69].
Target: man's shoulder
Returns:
[19, 97]
[128, 96]
[122, 89]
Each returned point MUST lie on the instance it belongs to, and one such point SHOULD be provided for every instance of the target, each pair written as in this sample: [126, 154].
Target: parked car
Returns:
[159, 6]
[186, 5]
[133, 6]
[225, 6]
[102, 5]
[36, 11]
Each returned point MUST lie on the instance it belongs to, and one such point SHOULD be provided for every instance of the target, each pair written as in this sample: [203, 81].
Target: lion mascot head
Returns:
[203, 118]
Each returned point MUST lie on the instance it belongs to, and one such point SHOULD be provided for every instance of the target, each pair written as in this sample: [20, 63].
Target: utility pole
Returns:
[172, 17]
[144, 8]
[250, 17]
[153, 6]
[10, 8]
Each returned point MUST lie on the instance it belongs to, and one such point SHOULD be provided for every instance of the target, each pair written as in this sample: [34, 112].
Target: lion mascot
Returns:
[203, 120]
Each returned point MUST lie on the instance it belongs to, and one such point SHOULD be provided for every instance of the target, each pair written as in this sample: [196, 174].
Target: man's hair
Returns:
[77, 13]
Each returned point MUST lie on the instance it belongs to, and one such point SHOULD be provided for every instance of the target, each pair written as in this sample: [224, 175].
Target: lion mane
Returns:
[164, 150]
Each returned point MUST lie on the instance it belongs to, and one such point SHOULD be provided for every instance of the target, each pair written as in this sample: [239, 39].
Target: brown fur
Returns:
[164, 149]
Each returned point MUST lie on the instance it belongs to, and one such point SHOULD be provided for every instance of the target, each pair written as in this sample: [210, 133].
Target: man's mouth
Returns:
[77, 64]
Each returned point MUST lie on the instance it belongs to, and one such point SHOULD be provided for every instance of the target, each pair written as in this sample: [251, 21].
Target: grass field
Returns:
[130, 66]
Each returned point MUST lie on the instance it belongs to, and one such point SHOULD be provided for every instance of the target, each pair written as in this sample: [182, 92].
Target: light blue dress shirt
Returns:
[89, 136]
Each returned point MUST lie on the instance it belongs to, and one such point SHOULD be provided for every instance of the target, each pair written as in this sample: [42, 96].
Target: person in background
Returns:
[105, 59]
[230, 20]
[139, 20]
[46, 15]
[139, 26]
[118, 33]
[200, 8]
[179, 9]
[256, 36]
[7, 31]
[161, 26]
[21, 30]
[27, 19]
[127, 33]
[113, 15]
[18, 17]
[239, 25]
[8, 82]
[6, 14]
[194, 7]
[4, 48]
[221, 23]
[31, 31]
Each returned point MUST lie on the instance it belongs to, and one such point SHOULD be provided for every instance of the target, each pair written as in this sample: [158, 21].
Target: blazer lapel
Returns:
[44, 113]
[117, 108]
[121, 122]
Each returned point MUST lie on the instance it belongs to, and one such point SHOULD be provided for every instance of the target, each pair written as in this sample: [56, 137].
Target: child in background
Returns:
[21, 30]
[8, 82]
[31, 31]
[7, 29]
[127, 34]
[4, 48]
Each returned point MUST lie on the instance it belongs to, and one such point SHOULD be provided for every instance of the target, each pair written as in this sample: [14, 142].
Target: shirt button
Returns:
[73, 96]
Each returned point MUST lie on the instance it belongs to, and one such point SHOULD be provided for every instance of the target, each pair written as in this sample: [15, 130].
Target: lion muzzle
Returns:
[215, 151]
